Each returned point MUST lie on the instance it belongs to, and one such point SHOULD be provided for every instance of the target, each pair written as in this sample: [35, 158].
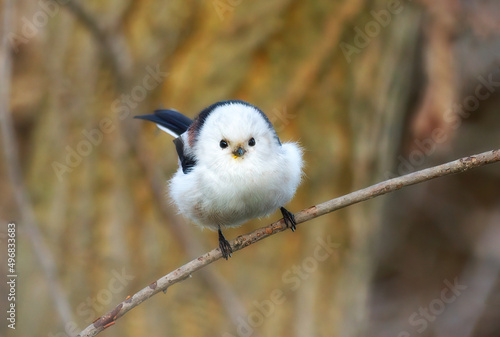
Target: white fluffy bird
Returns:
[232, 166]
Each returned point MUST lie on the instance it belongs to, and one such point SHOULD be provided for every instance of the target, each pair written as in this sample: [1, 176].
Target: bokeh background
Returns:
[371, 89]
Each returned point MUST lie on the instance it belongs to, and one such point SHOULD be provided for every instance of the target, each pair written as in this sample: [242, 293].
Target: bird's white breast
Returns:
[232, 192]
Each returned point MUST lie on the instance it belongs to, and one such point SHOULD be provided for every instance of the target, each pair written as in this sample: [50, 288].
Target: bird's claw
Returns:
[289, 219]
[224, 246]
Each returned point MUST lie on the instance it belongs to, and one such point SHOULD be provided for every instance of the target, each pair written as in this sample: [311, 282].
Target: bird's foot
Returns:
[224, 246]
[289, 219]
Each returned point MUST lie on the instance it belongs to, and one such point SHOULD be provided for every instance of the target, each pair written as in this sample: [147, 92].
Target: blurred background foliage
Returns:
[371, 89]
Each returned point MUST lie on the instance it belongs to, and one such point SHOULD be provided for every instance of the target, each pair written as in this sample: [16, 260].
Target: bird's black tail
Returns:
[170, 121]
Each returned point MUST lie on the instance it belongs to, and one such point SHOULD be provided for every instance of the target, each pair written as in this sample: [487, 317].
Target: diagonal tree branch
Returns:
[457, 166]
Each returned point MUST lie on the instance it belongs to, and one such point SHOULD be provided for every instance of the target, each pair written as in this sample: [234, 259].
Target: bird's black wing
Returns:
[187, 161]
[170, 121]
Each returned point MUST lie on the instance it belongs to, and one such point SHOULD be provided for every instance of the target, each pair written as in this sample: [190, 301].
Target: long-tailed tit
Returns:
[232, 166]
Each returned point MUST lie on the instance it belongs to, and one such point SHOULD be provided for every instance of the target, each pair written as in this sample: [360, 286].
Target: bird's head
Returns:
[233, 133]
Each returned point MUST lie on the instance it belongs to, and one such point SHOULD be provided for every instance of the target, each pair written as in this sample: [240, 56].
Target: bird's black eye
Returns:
[251, 142]
[223, 144]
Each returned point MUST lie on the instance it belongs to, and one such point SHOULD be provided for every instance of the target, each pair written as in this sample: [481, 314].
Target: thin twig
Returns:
[457, 166]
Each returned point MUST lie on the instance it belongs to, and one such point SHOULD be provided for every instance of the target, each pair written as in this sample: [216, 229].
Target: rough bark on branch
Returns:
[183, 272]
